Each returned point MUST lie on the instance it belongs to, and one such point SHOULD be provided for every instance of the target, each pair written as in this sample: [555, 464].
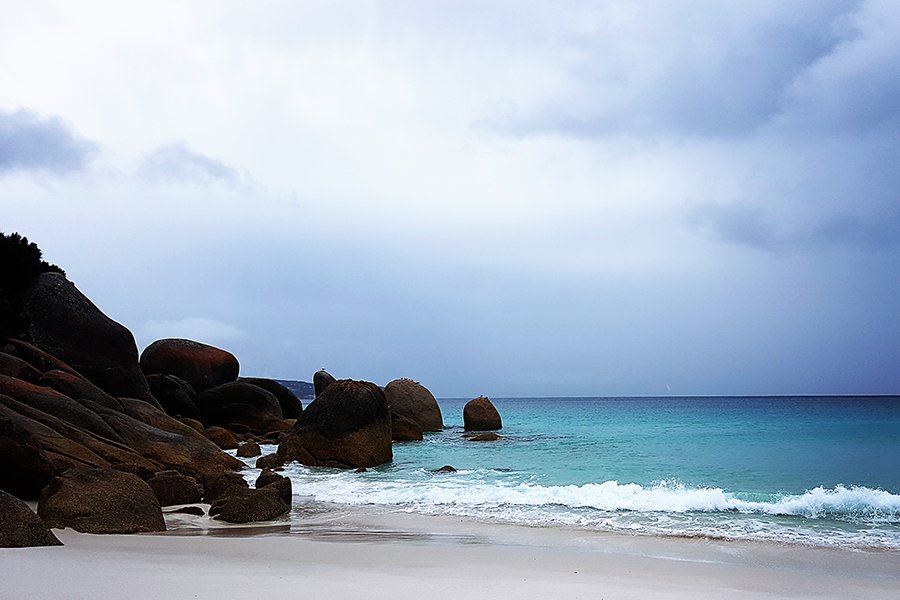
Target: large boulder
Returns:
[247, 506]
[65, 323]
[201, 365]
[25, 468]
[480, 415]
[347, 426]
[321, 380]
[171, 487]
[101, 501]
[20, 527]
[291, 406]
[239, 403]
[77, 387]
[412, 400]
[404, 429]
[175, 395]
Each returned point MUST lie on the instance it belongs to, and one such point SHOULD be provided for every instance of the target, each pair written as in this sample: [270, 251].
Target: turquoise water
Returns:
[813, 470]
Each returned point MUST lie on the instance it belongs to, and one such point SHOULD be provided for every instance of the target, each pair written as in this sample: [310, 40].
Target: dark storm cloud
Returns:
[177, 162]
[29, 141]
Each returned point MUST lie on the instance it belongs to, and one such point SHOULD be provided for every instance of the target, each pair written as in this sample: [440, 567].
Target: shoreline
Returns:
[350, 553]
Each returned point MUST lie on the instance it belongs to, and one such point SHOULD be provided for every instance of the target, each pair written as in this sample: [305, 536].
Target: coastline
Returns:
[350, 553]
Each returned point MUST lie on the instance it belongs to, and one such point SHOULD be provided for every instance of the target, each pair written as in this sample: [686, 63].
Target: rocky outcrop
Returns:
[100, 501]
[404, 429]
[76, 387]
[175, 396]
[25, 468]
[480, 415]
[200, 365]
[171, 487]
[484, 437]
[291, 407]
[239, 403]
[321, 380]
[347, 426]
[13, 366]
[412, 400]
[63, 322]
[20, 527]
[218, 486]
[222, 438]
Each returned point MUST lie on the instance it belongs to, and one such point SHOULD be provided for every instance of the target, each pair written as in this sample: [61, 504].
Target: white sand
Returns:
[359, 555]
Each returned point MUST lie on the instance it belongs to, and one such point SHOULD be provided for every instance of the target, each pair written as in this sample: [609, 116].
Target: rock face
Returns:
[321, 380]
[291, 407]
[200, 365]
[20, 527]
[412, 400]
[246, 506]
[171, 487]
[348, 426]
[13, 366]
[404, 430]
[239, 403]
[175, 396]
[100, 501]
[24, 466]
[480, 415]
[63, 322]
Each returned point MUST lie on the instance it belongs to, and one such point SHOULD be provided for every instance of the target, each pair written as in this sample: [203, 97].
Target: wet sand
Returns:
[359, 554]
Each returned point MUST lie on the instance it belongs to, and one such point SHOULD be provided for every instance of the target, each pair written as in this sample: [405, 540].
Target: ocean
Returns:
[821, 471]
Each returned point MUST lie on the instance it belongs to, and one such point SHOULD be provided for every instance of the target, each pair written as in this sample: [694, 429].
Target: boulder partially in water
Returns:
[404, 429]
[481, 415]
[412, 400]
[347, 426]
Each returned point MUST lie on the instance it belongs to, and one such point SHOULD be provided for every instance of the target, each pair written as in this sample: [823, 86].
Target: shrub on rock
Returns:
[100, 501]
[480, 415]
[200, 365]
[20, 527]
[347, 426]
[413, 400]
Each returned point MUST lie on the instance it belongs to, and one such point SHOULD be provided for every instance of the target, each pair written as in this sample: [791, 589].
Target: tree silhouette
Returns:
[20, 262]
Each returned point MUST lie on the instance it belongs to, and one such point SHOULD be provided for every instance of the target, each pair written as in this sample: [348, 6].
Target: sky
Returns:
[507, 198]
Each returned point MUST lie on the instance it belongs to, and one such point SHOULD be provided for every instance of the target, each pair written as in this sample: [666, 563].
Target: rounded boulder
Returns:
[481, 415]
[412, 400]
[239, 403]
[201, 365]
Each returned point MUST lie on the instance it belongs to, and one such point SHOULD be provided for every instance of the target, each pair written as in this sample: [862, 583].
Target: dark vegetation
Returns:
[20, 262]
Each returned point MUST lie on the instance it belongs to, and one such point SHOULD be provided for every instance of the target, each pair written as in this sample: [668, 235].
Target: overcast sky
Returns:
[501, 198]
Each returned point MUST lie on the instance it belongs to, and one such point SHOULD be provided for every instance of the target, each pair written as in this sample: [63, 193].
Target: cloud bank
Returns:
[31, 142]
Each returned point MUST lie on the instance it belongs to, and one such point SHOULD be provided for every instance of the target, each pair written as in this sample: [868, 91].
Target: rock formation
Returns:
[20, 527]
[200, 365]
[412, 400]
[347, 426]
[480, 415]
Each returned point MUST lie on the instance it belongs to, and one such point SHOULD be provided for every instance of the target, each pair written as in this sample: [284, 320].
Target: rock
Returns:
[291, 406]
[100, 501]
[321, 380]
[74, 443]
[37, 358]
[24, 467]
[54, 403]
[187, 510]
[200, 365]
[404, 429]
[171, 487]
[217, 486]
[63, 322]
[248, 450]
[269, 461]
[221, 437]
[175, 396]
[484, 437]
[239, 403]
[445, 469]
[13, 366]
[172, 444]
[360, 470]
[248, 506]
[78, 388]
[20, 527]
[193, 424]
[266, 477]
[347, 426]
[282, 483]
[480, 415]
[412, 400]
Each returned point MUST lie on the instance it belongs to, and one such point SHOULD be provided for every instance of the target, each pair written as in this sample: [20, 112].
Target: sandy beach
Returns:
[397, 555]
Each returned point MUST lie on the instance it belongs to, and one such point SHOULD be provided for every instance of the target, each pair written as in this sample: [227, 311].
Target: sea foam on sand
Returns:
[350, 554]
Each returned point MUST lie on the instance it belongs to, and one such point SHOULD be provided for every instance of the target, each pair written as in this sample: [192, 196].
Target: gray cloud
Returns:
[761, 228]
[177, 162]
[29, 141]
